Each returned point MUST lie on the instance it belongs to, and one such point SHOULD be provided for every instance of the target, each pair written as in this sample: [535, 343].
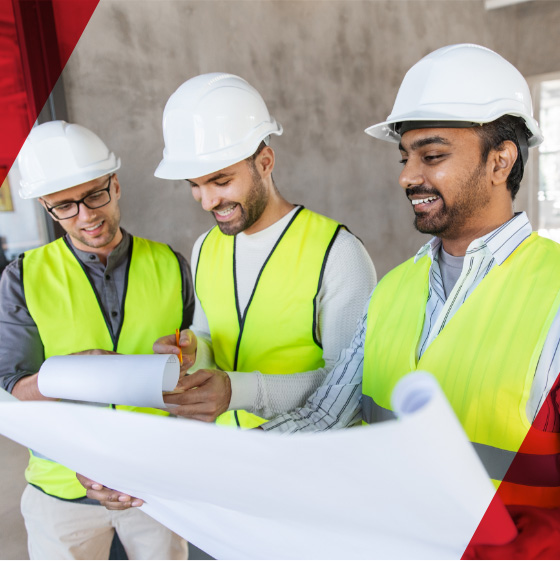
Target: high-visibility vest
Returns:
[485, 357]
[277, 332]
[64, 305]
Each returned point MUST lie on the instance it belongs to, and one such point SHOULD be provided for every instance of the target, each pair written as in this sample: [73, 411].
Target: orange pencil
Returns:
[177, 337]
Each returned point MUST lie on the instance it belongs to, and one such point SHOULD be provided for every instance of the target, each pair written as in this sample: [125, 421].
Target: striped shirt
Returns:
[337, 403]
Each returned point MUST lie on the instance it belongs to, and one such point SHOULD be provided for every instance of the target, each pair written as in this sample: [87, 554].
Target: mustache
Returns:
[422, 191]
[223, 206]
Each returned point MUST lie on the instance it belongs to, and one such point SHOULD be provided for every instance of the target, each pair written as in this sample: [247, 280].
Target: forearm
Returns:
[21, 348]
[332, 406]
[268, 395]
[27, 389]
[337, 402]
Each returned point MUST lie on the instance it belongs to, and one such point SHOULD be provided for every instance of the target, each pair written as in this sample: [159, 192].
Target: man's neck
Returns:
[275, 210]
[457, 246]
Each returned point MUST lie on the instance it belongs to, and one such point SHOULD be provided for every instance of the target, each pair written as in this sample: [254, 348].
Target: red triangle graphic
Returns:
[36, 39]
[531, 489]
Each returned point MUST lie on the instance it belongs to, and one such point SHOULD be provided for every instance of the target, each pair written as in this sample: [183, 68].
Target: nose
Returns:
[411, 174]
[85, 213]
[209, 198]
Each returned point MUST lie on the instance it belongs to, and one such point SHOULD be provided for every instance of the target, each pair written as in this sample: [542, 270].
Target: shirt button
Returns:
[107, 277]
[91, 257]
[114, 314]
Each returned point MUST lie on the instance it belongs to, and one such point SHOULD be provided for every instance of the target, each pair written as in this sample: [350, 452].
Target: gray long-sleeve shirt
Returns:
[21, 348]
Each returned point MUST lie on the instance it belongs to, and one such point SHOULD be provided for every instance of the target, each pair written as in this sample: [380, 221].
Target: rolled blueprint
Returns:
[136, 380]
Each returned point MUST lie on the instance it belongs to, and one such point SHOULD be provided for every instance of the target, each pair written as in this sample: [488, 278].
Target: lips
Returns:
[416, 202]
[94, 228]
[226, 212]
[423, 199]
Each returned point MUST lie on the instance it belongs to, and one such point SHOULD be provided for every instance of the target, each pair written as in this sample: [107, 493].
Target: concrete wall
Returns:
[327, 69]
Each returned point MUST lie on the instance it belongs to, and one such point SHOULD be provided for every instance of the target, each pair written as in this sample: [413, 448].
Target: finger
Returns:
[165, 349]
[90, 483]
[108, 495]
[162, 344]
[115, 505]
[186, 397]
[188, 341]
[198, 411]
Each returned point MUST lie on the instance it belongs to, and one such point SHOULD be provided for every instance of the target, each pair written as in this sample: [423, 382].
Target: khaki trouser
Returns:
[59, 529]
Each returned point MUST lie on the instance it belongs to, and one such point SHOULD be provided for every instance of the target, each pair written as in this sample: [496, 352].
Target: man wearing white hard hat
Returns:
[96, 290]
[478, 306]
[279, 288]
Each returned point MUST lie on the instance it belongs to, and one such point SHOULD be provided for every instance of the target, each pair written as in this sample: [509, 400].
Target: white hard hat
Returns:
[459, 85]
[58, 155]
[211, 122]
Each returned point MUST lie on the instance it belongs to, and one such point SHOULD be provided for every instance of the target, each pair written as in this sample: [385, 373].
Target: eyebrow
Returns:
[420, 143]
[212, 179]
[65, 201]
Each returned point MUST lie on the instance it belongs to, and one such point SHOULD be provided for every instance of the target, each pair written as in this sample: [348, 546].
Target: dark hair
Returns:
[492, 137]
[259, 149]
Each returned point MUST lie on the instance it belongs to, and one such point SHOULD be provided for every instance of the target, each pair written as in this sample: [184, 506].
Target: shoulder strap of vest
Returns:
[184, 287]
[200, 255]
[320, 284]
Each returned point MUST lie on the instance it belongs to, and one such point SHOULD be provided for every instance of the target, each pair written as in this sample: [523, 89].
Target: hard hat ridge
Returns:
[212, 121]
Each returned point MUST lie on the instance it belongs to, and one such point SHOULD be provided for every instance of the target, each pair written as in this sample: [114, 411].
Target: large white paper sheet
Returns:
[136, 380]
[412, 488]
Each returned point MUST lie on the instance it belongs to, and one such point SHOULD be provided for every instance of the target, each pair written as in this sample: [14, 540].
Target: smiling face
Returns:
[446, 182]
[237, 196]
[95, 230]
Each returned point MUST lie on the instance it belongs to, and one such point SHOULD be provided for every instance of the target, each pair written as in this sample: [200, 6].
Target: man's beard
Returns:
[449, 220]
[251, 211]
[112, 226]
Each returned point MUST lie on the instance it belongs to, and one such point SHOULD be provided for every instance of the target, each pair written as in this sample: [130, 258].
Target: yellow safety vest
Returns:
[484, 358]
[276, 334]
[63, 303]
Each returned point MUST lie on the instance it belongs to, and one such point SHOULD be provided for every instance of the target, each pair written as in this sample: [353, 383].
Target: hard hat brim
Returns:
[203, 165]
[386, 129]
[29, 191]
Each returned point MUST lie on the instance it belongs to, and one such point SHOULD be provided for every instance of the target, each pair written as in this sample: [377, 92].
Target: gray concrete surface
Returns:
[327, 69]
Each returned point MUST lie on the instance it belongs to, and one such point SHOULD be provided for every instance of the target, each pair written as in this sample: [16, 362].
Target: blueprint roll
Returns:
[136, 380]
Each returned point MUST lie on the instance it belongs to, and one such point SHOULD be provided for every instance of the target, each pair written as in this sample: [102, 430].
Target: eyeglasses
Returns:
[97, 199]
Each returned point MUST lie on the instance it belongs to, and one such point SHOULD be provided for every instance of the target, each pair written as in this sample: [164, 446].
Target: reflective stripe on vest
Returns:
[63, 303]
[484, 358]
[276, 335]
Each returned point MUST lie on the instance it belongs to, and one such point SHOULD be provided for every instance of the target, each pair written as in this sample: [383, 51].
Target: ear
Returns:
[501, 162]
[115, 183]
[264, 162]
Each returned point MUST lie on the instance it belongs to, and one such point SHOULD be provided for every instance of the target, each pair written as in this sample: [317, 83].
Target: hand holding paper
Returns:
[187, 346]
[202, 396]
[109, 498]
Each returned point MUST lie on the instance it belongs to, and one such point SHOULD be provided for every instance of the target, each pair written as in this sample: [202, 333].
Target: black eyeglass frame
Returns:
[52, 209]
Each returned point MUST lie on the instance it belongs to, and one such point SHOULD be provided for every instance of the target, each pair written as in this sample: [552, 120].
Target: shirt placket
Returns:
[469, 274]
